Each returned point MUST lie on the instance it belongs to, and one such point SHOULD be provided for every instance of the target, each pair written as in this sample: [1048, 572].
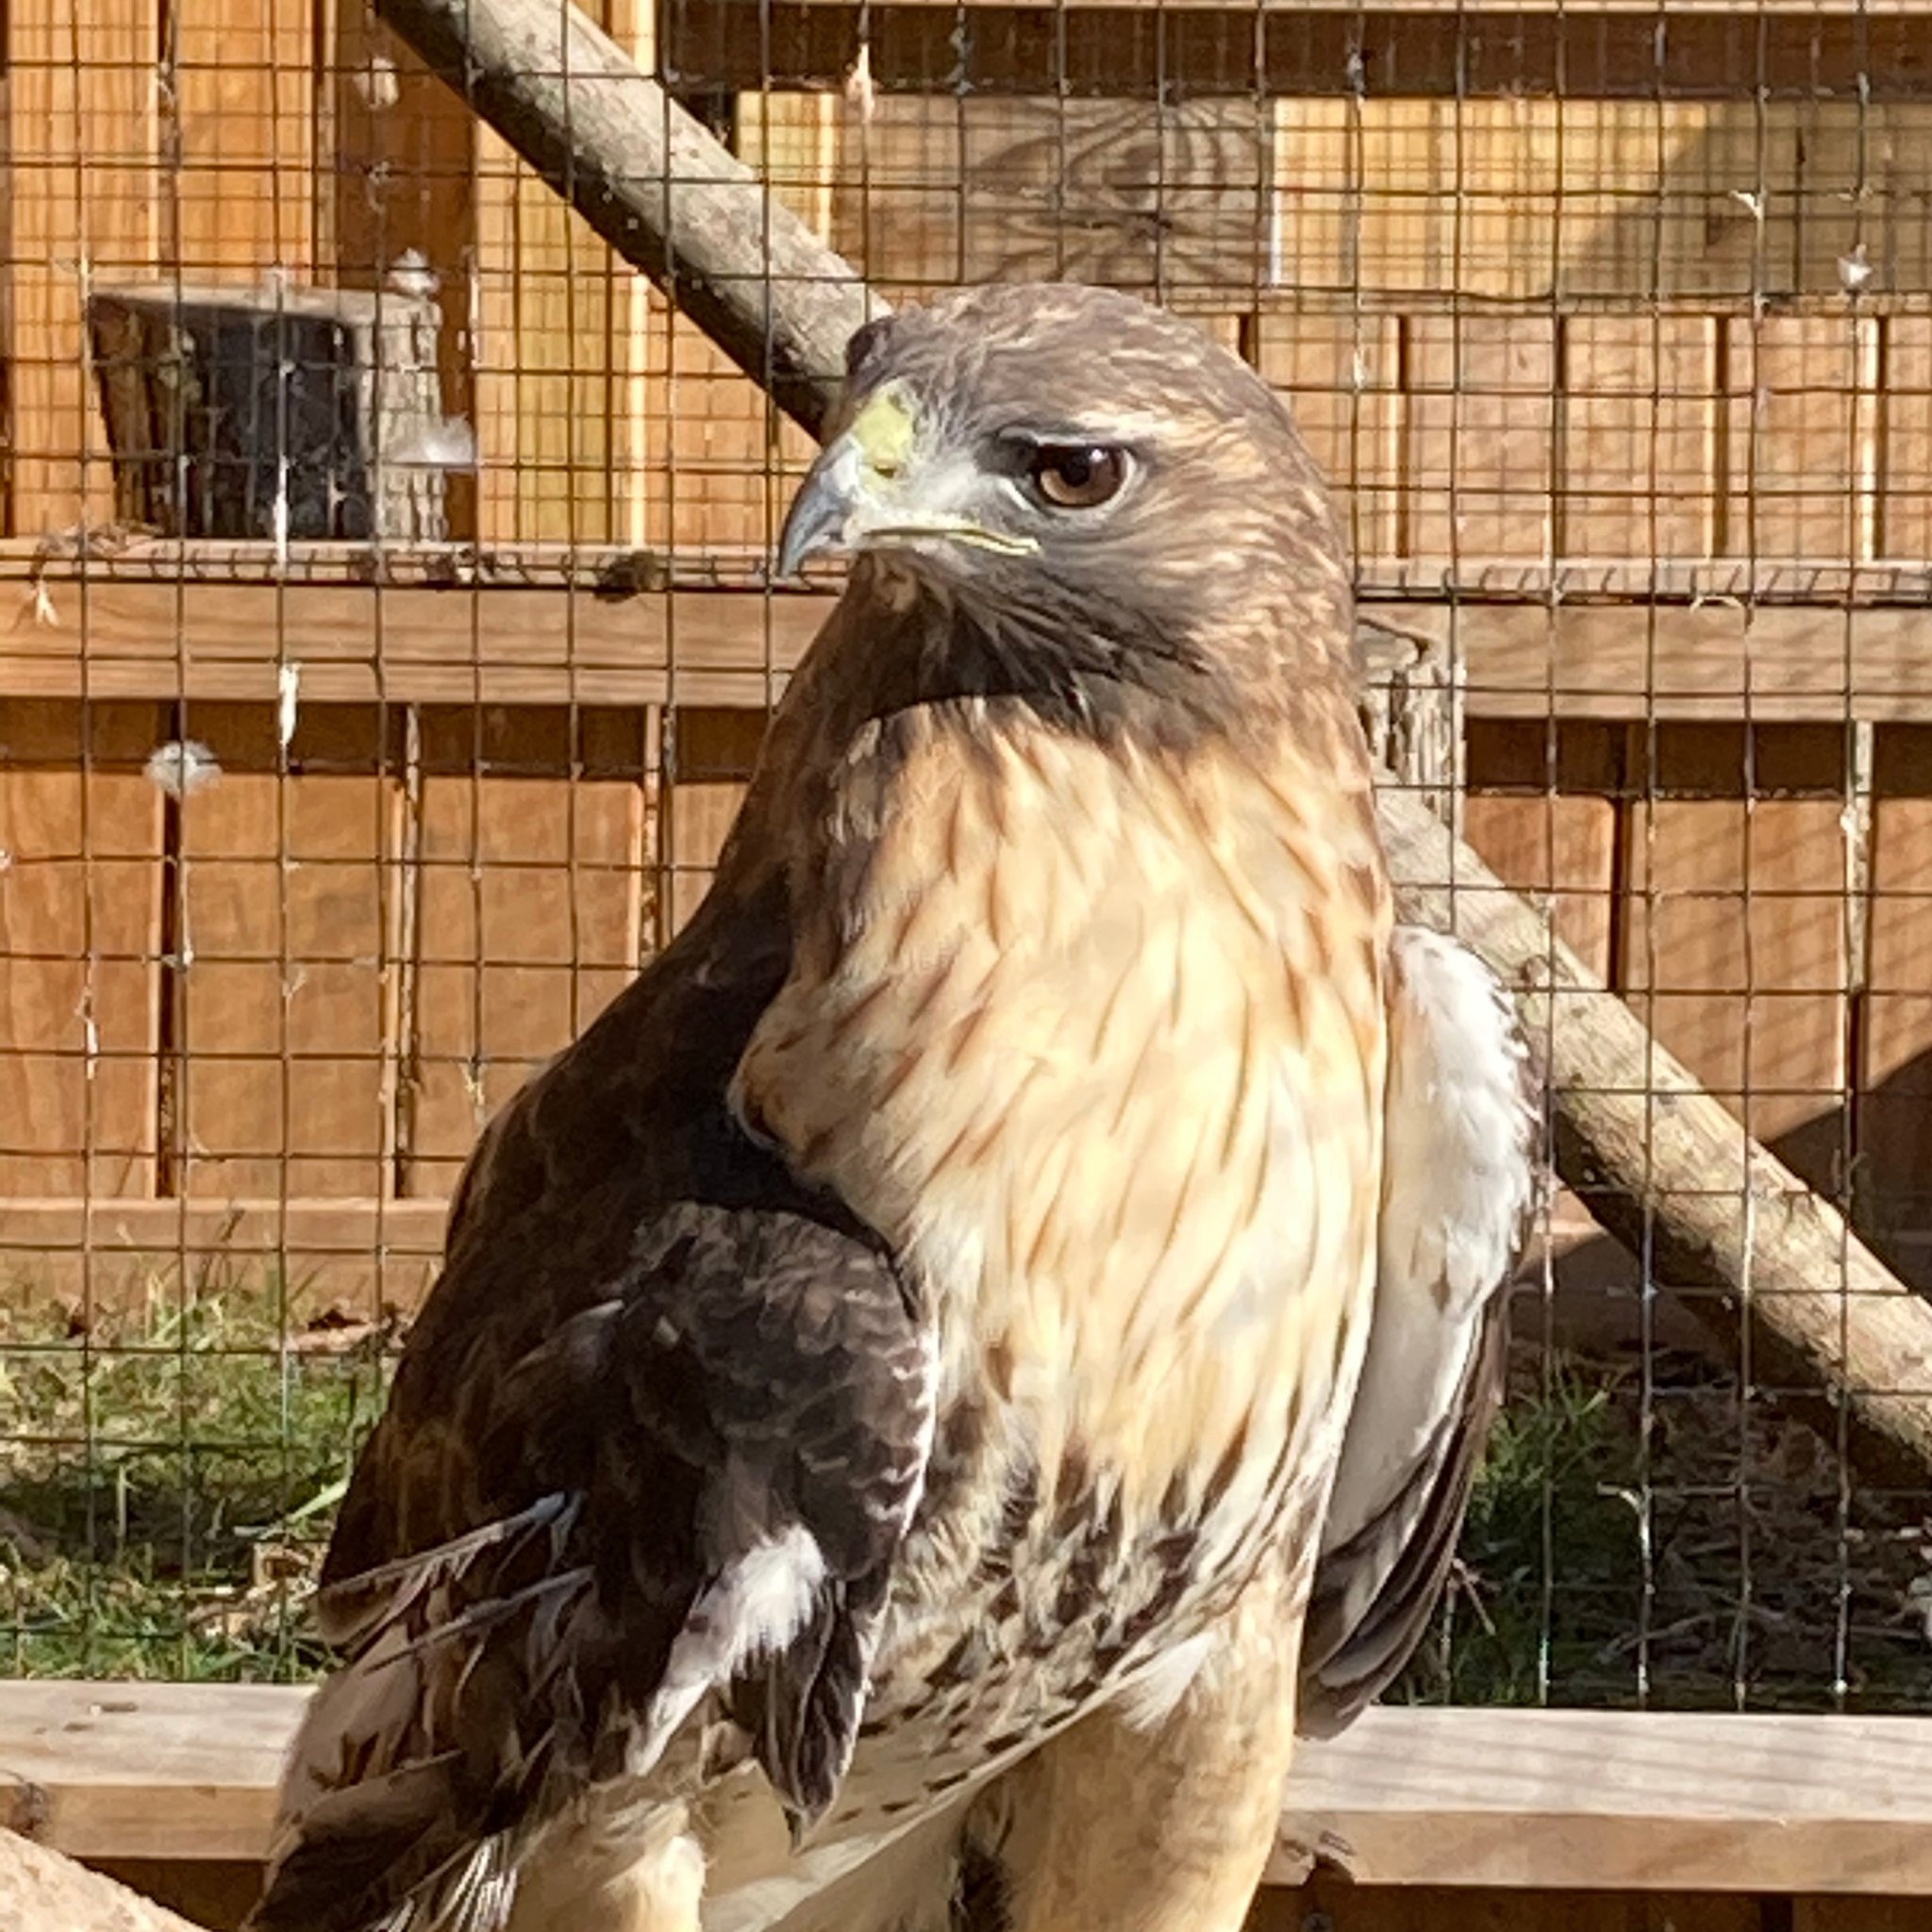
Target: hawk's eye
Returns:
[1074, 475]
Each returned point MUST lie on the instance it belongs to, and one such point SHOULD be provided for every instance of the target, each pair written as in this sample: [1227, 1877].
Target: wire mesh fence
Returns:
[393, 632]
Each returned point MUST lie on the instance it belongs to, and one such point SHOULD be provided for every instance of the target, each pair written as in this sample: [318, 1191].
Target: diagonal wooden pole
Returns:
[654, 183]
[1661, 1164]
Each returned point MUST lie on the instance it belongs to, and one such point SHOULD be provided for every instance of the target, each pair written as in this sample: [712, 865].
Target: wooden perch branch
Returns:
[1670, 1171]
[1661, 1164]
[654, 184]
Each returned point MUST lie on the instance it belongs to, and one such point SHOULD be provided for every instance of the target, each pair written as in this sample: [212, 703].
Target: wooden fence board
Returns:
[1541, 809]
[1713, 659]
[1801, 436]
[561, 341]
[1894, 1111]
[1176, 197]
[712, 756]
[401, 189]
[1511, 1801]
[1482, 421]
[82, 130]
[239, 106]
[358, 1255]
[1735, 945]
[1340, 376]
[1637, 460]
[284, 955]
[80, 881]
[1906, 446]
[531, 897]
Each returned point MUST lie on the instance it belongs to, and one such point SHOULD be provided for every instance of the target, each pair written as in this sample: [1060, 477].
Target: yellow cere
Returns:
[884, 429]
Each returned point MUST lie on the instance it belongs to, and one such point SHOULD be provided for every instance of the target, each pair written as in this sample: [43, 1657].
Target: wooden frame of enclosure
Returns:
[1518, 1821]
[480, 821]
[464, 846]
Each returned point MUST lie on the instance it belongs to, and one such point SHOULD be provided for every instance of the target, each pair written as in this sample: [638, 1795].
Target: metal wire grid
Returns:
[1614, 331]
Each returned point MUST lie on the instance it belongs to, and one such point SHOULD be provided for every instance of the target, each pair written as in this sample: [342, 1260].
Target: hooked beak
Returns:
[844, 491]
[832, 492]
[868, 487]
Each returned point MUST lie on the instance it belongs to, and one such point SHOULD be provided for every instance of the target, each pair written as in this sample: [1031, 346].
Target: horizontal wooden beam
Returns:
[348, 644]
[1621, 1801]
[355, 1225]
[109, 1246]
[1591, 655]
[616, 573]
[355, 1256]
[1571, 1800]
[1604, 49]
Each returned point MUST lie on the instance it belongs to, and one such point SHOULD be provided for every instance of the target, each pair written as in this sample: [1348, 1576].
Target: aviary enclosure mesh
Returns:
[388, 634]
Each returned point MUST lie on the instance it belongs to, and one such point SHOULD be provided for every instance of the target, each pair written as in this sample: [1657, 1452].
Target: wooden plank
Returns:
[1734, 940]
[711, 757]
[238, 87]
[131, 1770]
[356, 1254]
[1548, 201]
[1635, 471]
[1710, 52]
[530, 912]
[283, 958]
[359, 1254]
[561, 341]
[716, 462]
[1674, 663]
[1541, 810]
[360, 644]
[363, 644]
[82, 136]
[1832, 1914]
[794, 141]
[720, 463]
[1333, 1905]
[1800, 437]
[1481, 411]
[1406, 195]
[1168, 199]
[1616, 1801]
[1906, 389]
[80, 882]
[1893, 1169]
[1580, 1801]
[1340, 376]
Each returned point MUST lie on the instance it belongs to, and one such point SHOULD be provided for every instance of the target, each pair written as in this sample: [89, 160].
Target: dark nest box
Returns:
[276, 413]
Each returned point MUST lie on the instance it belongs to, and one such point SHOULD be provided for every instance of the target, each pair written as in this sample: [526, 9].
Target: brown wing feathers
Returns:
[667, 1448]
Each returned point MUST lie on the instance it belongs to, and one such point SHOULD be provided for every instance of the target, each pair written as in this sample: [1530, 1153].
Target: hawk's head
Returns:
[1064, 462]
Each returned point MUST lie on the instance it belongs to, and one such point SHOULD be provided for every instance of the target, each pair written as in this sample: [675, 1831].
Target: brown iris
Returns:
[1074, 475]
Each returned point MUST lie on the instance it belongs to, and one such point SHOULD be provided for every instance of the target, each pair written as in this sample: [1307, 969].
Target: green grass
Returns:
[168, 1479]
[1548, 1569]
[1668, 1544]
[167, 1483]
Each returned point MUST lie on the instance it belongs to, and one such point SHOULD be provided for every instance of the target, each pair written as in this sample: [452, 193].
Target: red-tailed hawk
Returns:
[865, 1463]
